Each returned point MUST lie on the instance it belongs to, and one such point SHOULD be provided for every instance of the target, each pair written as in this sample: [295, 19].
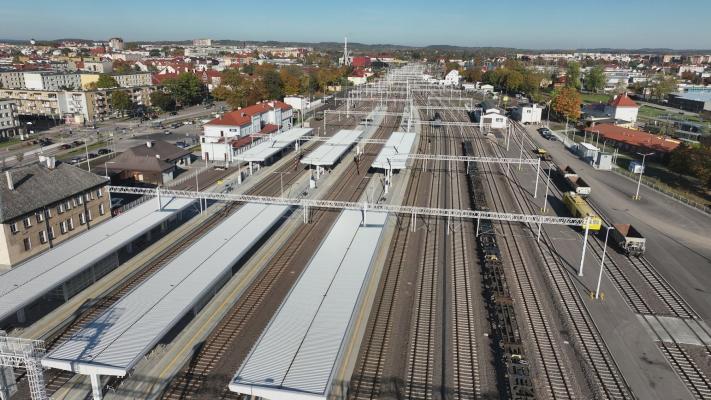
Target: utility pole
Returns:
[639, 182]
[602, 261]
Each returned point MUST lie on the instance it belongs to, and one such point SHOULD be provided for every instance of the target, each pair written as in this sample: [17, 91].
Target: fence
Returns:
[652, 184]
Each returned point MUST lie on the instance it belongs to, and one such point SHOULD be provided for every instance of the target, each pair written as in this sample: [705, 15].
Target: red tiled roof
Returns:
[269, 128]
[623, 101]
[244, 116]
[243, 141]
[159, 78]
[635, 138]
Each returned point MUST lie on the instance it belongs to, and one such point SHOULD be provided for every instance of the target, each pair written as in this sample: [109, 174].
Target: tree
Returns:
[573, 75]
[106, 81]
[450, 66]
[513, 80]
[566, 102]
[248, 69]
[121, 67]
[291, 78]
[154, 53]
[663, 86]
[595, 80]
[121, 101]
[186, 88]
[163, 100]
[692, 160]
[473, 74]
[272, 85]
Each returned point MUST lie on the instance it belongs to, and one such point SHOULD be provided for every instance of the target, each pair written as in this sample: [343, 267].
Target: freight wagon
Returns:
[628, 239]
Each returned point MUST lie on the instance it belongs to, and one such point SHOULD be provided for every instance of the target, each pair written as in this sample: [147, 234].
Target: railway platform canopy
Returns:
[394, 154]
[29, 281]
[273, 145]
[298, 354]
[333, 149]
[114, 342]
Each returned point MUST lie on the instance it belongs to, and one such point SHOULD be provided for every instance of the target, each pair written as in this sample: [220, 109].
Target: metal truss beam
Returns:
[489, 160]
[347, 205]
[18, 352]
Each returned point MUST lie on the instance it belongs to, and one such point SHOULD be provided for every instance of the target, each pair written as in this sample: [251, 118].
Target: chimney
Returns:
[10, 183]
[149, 144]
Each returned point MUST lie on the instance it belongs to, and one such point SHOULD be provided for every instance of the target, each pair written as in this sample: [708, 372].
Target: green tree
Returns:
[566, 103]
[121, 101]
[573, 75]
[106, 81]
[154, 53]
[450, 66]
[163, 100]
[248, 69]
[662, 86]
[186, 89]
[272, 85]
[595, 80]
[121, 67]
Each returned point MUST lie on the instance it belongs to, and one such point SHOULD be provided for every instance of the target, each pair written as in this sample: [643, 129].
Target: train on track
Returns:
[513, 372]
[580, 208]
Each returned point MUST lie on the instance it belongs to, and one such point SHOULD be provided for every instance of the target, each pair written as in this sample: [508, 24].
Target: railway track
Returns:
[208, 373]
[270, 185]
[368, 381]
[554, 379]
[674, 305]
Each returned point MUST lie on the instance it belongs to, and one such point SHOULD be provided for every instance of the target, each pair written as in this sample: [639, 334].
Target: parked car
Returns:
[182, 144]
[173, 113]
[167, 132]
[77, 143]
[104, 151]
[65, 146]
[76, 160]
[92, 155]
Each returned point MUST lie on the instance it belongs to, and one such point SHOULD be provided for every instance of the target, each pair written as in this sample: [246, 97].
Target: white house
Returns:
[486, 88]
[225, 136]
[452, 78]
[623, 108]
[489, 116]
[528, 114]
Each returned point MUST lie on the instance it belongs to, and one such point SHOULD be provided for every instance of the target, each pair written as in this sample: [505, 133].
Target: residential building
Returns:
[202, 42]
[102, 67]
[528, 113]
[34, 102]
[155, 162]
[44, 204]
[12, 80]
[133, 79]
[9, 124]
[221, 136]
[116, 44]
[43, 80]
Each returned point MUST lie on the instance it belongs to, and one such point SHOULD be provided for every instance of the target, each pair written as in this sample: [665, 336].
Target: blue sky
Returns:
[511, 23]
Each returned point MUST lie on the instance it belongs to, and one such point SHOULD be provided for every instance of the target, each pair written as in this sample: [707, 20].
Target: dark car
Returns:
[65, 146]
[45, 142]
[175, 125]
[104, 151]
[181, 144]
[173, 113]
[77, 143]
[93, 155]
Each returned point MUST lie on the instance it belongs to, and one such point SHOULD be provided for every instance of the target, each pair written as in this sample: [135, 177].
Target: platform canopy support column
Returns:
[96, 388]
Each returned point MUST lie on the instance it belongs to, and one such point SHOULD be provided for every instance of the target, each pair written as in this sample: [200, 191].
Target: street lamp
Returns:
[106, 167]
[602, 261]
[639, 182]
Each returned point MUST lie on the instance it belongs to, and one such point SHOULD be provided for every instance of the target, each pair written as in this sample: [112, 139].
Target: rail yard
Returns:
[399, 248]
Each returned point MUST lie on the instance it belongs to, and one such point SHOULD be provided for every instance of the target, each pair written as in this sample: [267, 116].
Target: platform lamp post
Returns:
[639, 182]
[602, 262]
[586, 222]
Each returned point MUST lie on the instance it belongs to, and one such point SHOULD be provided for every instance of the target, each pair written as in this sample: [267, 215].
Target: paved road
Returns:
[678, 237]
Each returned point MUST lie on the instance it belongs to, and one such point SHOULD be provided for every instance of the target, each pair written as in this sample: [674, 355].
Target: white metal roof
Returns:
[273, 145]
[329, 152]
[116, 340]
[34, 278]
[296, 355]
[395, 150]
[589, 146]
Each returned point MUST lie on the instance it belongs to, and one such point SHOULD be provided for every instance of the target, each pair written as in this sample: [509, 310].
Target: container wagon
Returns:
[580, 208]
[628, 239]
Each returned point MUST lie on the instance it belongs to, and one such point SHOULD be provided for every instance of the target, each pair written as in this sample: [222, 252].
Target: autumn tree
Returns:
[473, 74]
[566, 102]
[291, 78]
[662, 86]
